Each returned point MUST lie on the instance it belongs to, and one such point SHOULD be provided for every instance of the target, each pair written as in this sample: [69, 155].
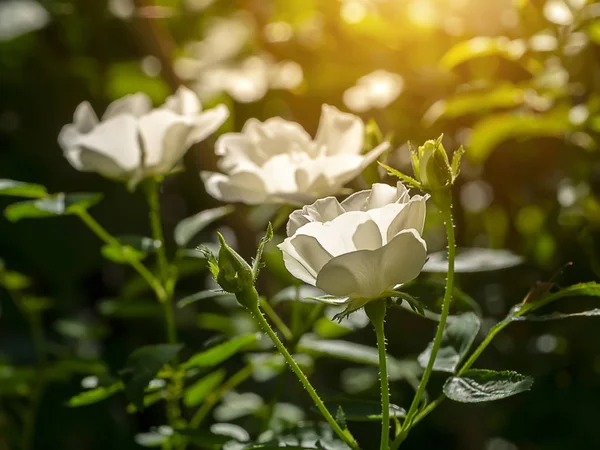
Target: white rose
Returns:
[277, 161]
[133, 140]
[360, 248]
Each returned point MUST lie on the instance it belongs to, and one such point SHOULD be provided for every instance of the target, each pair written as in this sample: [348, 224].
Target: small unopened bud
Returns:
[235, 274]
[434, 171]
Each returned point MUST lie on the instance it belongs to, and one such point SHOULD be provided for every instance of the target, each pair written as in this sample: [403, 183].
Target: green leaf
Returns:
[95, 395]
[191, 226]
[142, 366]
[482, 46]
[362, 410]
[357, 353]
[473, 260]
[35, 304]
[396, 173]
[256, 264]
[475, 101]
[198, 391]
[459, 335]
[202, 295]
[20, 189]
[121, 254]
[591, 289]
[129, 308]
[140, 243]
[14, 281]
[480, 385]
[221, 352]
[559, 315]
[490, 132]
[55, 205]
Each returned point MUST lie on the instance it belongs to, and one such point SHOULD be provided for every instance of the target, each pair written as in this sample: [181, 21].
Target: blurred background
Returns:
[517, 82]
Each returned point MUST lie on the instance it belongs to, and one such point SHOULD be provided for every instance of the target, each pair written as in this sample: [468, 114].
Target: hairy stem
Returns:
[376, 312]
[343, 434]
[446, 210]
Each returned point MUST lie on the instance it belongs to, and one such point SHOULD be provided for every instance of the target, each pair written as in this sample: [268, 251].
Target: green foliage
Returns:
[191, 226]
[198, 391]
[142, 366]
[479, 385]
[55, 205]
[95, 395]
[459, 335]
[219, 353]
[20, 189]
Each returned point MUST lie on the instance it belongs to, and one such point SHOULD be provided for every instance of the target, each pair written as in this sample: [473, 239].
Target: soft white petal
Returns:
[246, 187]
[367, 236]
[117, 139]
[279, 174]
[134, 104]
[323, 210]
[307, 251]
[411, 216]
[207, 123]
[175, 144]
[183, 102]
[336, 236]
[369, 273]
[90, 161]
[379, 195]
[236, 148]
[153, 132]
[68, 137]
[84, 118]
[295, 264]
[339, 133]
[276, 136]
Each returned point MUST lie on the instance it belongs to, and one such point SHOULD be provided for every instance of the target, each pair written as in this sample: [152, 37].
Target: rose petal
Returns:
[207, 123]
[183, 102]
[153, 132]
[135, 104]
[339, 133]
[369, 273]
[307, 251]
[246, 187]
[323, 210]
[411, 216]
[117, 139]
[84, 118]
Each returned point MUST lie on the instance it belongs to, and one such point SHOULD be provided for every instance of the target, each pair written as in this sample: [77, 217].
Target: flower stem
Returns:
[446, 210]
[105, 236]
[376, 312]
[152, 188]
[271, 314]
[343, 434]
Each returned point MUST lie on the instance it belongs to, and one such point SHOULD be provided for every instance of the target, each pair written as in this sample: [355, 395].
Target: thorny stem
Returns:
[280, 324]
[376, 312]
[446, 210]
[343, 434]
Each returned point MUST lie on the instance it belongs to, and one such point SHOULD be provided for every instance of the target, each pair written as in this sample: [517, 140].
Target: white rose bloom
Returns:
[133, 140]
[361, 248]
[277, 161]
[375, 90]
